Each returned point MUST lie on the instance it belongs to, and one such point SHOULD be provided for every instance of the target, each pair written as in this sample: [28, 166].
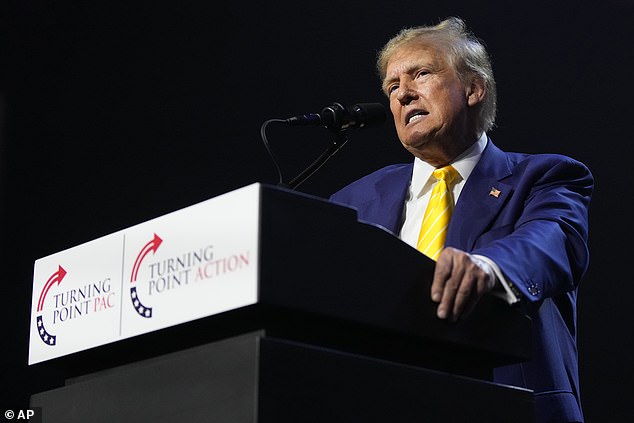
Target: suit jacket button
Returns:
[533, 289]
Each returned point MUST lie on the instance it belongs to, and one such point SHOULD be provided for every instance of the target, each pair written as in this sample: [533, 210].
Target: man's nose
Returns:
[405, 93]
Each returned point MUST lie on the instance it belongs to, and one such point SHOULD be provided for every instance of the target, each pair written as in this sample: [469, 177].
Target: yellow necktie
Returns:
[433, 231]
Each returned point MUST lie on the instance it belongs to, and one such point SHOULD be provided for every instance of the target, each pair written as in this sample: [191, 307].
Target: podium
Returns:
[343, 330]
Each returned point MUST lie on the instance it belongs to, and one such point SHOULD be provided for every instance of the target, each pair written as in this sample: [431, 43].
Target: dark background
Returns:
[112, 113]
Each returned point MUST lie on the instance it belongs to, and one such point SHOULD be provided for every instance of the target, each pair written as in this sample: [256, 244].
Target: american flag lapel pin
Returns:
[495, 192]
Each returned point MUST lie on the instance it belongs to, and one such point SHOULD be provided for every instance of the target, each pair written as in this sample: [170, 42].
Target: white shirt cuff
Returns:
[487, 264]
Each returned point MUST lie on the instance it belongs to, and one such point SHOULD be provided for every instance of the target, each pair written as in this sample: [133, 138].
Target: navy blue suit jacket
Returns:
[536, 230]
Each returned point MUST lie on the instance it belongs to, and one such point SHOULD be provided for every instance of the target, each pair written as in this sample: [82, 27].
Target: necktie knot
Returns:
[447, 174]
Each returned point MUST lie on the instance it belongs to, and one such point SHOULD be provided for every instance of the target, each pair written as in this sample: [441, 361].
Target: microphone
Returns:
[338, 117]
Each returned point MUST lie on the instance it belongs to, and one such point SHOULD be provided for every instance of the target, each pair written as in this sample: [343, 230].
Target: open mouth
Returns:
[415, 116]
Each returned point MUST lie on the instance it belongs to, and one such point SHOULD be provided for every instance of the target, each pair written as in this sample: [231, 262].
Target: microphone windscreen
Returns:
[369, 114]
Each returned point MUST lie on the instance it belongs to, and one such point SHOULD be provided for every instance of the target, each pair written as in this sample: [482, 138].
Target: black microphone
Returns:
[338, 117]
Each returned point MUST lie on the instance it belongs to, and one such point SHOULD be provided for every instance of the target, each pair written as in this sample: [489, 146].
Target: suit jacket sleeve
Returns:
[539, 240]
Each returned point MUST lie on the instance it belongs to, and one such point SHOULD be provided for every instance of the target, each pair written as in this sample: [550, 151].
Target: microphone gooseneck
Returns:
[335, 117]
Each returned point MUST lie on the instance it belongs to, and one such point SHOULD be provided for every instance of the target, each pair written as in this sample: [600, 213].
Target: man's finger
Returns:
[450, 290]
[442, 272]
[465, 296]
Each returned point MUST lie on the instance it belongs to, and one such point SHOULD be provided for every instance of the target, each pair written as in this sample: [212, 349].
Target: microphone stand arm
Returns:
[339, 141]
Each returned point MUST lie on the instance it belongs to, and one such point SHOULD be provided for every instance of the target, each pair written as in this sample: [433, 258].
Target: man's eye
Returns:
[422, 73]
[392, 88]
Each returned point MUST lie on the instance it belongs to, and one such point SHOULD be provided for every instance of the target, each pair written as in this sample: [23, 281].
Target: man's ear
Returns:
[476, 91]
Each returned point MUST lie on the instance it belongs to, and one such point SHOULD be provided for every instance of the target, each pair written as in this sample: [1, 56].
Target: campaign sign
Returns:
[192, 263]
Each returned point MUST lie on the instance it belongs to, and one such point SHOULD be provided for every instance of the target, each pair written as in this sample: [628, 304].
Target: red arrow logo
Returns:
[55, 278]
[150, 246]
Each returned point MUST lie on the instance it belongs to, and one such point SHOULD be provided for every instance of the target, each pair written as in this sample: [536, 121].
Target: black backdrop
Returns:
[113, 113]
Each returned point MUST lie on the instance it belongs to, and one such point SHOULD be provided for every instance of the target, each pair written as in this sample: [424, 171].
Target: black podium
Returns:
[343, 331]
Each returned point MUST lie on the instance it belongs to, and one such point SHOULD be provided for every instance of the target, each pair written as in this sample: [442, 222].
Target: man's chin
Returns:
[417, 145]
[427, 151]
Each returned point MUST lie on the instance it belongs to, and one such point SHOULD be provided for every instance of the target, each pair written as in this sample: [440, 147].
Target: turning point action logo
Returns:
[152, 246]
[167, 274]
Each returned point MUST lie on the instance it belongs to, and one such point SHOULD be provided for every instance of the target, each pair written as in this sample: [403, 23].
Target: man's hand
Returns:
[459, 282]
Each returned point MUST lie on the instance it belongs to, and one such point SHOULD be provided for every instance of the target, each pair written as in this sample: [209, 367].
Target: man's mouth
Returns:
[415, 116]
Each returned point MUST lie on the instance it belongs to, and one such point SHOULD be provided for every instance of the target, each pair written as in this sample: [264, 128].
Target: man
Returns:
[518, 223]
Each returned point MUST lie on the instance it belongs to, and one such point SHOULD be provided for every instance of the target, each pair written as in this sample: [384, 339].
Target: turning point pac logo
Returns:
[68, 302]
[55, 278]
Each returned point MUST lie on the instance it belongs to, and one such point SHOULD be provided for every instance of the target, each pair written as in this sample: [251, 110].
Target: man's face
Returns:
[429, 103]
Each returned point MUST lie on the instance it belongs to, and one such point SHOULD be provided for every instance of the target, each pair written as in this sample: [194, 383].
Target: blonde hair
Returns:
[465, 52]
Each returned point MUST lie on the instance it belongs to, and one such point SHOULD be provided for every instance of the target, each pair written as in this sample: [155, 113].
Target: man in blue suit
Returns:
[519, 223]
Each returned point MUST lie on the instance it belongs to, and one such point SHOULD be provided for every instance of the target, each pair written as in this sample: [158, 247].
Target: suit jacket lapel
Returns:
[480, 200]
[392, 191]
